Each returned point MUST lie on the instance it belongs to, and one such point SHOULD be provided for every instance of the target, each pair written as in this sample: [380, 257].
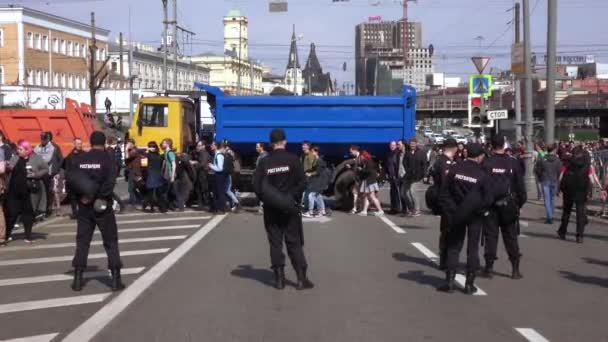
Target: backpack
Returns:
[432, 199]
[228, 164]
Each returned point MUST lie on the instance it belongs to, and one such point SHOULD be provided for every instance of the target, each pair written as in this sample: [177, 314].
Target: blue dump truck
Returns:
[333, 122]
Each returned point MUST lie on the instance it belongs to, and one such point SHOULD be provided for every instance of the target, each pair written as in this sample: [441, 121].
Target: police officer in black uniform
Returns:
[279, 182]
[92, 179]
[439, 172]
[508, 196]
[464, 201]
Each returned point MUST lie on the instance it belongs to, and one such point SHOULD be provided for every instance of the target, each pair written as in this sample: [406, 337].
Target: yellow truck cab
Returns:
[160, 117]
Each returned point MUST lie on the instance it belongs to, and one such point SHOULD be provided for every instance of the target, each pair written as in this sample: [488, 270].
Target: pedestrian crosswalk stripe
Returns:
[524, 223]
[52, 303]
[393, 226]
[531, 335]
[93, 243]
[460, 279]
[134, 230]
[171, 213]
[155, 220]
[63, 277]
[70, 257]
[37, 338]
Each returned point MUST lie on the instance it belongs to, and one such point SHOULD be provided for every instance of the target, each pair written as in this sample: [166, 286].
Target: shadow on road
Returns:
[554, 236]
[601, 282]
[105, 279]
[35, 236]
[261, 275]
[421, 278]
[411, 259]
[594, 261]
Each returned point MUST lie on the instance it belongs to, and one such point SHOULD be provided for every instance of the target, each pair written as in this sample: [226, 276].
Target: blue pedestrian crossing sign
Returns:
[480, 84]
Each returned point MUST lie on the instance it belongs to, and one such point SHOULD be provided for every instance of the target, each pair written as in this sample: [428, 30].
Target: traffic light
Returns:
[478, 112]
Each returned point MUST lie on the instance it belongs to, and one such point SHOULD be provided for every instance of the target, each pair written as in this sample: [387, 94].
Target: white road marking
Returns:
[134, 230]
[38, 338]
[70, 257]
[118, 216]
[322, 219]
[91, 327]
[52, 303]
[460, 279]
[63, 277]
[393, 226]
[93, 243]
[524, 223]
[247, 195]
[531, 335]
[156, 220]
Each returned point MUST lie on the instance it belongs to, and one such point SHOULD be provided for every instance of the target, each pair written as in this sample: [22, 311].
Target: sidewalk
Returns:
[594, 207]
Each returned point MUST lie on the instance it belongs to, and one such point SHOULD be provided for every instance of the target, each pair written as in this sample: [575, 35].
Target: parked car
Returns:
[448, 132]
[460, 138]
[428, 133]
[437, 139]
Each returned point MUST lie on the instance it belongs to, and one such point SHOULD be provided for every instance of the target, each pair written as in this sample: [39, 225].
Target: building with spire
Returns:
[316, 82]
[234, 71]
[294, 81]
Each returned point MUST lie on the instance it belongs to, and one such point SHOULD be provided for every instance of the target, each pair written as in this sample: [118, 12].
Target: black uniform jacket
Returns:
[507, 177]
[93, 174]
[279, 181]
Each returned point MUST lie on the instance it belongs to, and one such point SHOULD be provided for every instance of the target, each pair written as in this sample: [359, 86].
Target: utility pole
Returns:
[165, 29]
[131, 76]
[174, 43]
[528, 95]
[551, 52]
[120, 51]
[516, 82]
[95, 81]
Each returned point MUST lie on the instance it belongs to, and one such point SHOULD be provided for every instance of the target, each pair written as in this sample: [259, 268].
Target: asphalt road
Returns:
[375, 281]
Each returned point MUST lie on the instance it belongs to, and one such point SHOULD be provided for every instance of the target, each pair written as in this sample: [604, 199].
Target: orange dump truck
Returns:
[75, 121]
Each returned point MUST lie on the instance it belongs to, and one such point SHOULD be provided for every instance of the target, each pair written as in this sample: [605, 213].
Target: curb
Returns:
[592, 213]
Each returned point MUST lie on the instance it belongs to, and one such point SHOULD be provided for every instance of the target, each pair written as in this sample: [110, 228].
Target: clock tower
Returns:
[235, 35]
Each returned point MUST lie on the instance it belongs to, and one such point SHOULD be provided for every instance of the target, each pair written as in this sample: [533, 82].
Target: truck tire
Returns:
[343, 190]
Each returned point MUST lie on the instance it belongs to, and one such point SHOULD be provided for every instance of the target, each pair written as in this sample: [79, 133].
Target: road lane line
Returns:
[63, 277]
[531, 335]
[393, 226]
[135, 230]
[70, 257]
[91, 327]
[169, 213]
[38, 338]
[93, 243]
[460, 279]
[52, 303]
[170, 219]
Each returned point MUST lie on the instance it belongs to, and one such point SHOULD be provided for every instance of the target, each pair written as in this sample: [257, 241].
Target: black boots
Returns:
[488, 271]
[515, 274]
[303, 282]
[77, 283]
[579, 238]
[279, 278]
[469, 285]
[117, 284]
[449, 282]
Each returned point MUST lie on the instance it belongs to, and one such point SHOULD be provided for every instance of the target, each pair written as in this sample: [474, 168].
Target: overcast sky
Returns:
[450, 25]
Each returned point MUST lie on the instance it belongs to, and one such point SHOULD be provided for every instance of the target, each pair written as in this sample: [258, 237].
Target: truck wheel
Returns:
[343, 190]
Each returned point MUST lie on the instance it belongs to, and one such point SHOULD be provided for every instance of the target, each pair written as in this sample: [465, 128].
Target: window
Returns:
[1, 74]
[45, 43]
[97, 55]
[77, 49]
[30, 77]
[30, 40]
[63, 81]
[55, 80]
[38, 41]
[38, 77]
[114, 66]
[154, 115]
[63, 48]
[55, 45]
[70, 49]
[45, 78]
[1, 37]
[70, 81]
[84, 51]
[103, 54]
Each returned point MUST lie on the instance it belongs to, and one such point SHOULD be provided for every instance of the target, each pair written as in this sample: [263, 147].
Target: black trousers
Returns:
[88, 219]
[201, 190]
[509, 237]
[395, 197]
[48, 186]
[455, 241]
[285, 227]
[73, 200]
[155, 197]
[19, 208]
[443, 240]
[220, 191]
[581, 214]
